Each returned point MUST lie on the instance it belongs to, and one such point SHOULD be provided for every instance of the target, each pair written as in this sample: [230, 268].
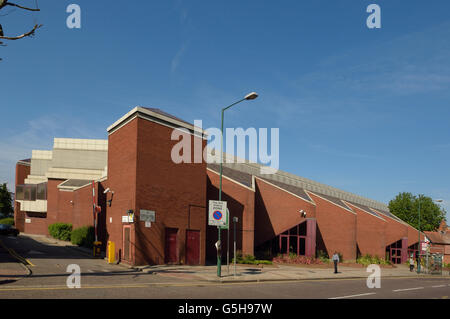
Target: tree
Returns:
[5, 4]
[6, 208]
[406, 207]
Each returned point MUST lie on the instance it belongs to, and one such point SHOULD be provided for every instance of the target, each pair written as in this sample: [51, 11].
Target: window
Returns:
[31, 192]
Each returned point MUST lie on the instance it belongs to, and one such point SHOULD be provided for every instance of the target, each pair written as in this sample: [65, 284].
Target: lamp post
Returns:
[419, 248]
[248, 97]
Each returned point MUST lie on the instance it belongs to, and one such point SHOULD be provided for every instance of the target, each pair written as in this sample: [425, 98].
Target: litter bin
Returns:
[97, 248]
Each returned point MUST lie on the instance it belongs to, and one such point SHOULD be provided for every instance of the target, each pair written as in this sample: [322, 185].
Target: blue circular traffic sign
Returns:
[217, 215]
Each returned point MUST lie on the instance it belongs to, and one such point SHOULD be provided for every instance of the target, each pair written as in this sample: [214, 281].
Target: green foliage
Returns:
[296, 259]
[367, 260]
[7, 221]
[406, 207]
[60, 231]
[323, 256]
[250, 260]
[6, 208]
[83, 236]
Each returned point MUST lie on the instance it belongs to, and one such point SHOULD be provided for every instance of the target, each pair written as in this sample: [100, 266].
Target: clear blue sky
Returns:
[363, 110]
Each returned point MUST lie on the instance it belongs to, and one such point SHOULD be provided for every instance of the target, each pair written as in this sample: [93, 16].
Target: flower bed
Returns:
[297, 260]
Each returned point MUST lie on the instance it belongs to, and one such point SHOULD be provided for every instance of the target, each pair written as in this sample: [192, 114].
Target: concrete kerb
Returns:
[226, 281]
[206, 276]
[22, 261]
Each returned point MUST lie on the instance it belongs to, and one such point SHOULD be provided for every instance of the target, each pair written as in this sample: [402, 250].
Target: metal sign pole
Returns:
[94, 209]
[235, 219]
[219, 253]
[228, 242]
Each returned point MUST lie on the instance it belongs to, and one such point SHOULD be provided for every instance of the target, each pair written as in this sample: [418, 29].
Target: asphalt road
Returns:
[100, 280]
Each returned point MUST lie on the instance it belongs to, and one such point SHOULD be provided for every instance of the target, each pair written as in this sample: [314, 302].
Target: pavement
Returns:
[12, 267]
[278, 273]
[39, 267]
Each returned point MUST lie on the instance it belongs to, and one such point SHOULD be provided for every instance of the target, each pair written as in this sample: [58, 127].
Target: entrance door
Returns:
[171, 246]
[126, 251]
[193, 247]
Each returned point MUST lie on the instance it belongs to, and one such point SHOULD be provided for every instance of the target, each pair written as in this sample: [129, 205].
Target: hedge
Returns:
[83, 236]
[60, 231]
[7, 221]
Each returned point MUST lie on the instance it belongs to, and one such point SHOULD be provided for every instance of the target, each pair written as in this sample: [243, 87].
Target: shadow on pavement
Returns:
[28, 247]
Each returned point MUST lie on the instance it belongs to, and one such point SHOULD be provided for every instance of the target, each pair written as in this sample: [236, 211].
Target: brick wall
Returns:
[143, 176]
[277, 211]
[176, 192]
[241, 204]
[337, 227]
[370, 233]
[395, 231]
[22, 171]
[122, 163]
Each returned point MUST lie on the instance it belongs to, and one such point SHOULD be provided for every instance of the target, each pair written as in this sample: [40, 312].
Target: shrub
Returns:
[83, 236]
[7, 221]
[60, 231]
[250, 260]
[323, 256]
[367, 260]
[295, 259]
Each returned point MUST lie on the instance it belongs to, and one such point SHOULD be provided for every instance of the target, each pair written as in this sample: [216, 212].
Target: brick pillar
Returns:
[404, 249]
[310, 249]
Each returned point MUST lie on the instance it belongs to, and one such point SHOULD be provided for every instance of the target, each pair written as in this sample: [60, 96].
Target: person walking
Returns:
[411, 263]
[336, 260]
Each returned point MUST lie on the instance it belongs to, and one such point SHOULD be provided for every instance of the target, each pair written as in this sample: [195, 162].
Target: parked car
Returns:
[8, 230]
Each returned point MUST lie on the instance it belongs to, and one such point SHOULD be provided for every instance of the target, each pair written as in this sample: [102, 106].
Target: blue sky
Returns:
[362, 110]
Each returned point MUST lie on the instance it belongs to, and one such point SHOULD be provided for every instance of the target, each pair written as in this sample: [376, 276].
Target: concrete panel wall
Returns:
[66, 158]
[40, 166]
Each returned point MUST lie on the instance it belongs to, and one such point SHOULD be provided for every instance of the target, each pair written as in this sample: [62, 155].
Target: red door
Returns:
[171, 246]
[192, 247]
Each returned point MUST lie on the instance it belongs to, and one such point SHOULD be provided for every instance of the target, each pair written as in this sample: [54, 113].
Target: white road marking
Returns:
[352, 296]
[438, 286]
[408, 289]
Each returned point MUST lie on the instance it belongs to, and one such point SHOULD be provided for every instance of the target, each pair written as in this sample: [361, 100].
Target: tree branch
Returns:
[4, 3]
[30, 33]
[25, 8]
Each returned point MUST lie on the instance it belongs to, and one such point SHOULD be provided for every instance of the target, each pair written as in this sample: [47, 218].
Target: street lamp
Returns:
[248, 97]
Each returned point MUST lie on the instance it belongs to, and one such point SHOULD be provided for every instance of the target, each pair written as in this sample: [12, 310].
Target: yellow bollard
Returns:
[111, 252]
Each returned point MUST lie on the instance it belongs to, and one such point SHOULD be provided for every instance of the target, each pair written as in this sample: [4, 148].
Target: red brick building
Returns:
[133, 174]
[440, 241]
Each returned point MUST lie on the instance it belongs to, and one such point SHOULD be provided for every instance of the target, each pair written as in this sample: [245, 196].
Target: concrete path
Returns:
[244, 273]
